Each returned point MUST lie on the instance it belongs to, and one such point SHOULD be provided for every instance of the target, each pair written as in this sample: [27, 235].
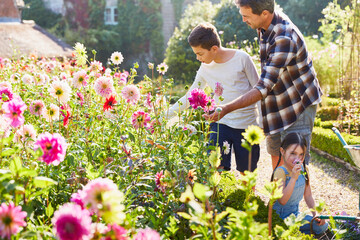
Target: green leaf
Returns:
[221, 216]
[43, 182]
[202, 192]
[185, 215]
[15, 165]
[27, 173]
[49, 210]
[8, 152]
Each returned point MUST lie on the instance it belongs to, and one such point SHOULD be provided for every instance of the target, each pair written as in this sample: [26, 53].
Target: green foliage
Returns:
[231, 196]
[41, 15]
[328, 113]
[179, 55]
[326, 140]
[305, 14]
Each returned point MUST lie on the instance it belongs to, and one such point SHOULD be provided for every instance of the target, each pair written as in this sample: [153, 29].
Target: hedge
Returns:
[326, 140]
[231, 196]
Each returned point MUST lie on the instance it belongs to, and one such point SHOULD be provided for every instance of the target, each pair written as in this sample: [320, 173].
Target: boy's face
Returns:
[253, 20]
[204, 55]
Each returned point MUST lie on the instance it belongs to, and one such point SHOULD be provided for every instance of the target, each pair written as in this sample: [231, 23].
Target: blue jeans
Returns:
[233, 137]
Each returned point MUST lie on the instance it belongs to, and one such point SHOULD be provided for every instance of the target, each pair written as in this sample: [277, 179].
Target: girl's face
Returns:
[294, 154]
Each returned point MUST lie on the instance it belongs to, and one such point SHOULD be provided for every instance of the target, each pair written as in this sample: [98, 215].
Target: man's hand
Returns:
[218, 114]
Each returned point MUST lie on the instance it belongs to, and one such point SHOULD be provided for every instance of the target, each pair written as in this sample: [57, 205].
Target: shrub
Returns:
[326, 140]
[328, 113]
[179, 55]
[232, 196]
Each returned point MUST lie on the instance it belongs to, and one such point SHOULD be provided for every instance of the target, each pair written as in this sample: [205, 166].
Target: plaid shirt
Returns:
[288, 82]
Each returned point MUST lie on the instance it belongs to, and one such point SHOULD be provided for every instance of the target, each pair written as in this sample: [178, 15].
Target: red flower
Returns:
[109, 103]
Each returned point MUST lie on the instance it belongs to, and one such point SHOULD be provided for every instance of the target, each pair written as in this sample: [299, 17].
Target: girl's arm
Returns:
[311, 203]
[288, 190]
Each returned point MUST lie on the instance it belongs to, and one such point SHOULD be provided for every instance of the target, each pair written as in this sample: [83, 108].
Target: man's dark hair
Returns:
[205, 36]
[257, 6]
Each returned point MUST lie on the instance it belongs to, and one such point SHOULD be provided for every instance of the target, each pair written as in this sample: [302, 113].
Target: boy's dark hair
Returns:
[257, 6]
[290, 139]
[205, 36]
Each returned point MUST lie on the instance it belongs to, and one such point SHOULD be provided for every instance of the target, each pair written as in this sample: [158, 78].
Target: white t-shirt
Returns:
[237, 76]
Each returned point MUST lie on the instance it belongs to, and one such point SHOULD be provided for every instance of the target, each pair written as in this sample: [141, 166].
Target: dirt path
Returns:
[330, 182]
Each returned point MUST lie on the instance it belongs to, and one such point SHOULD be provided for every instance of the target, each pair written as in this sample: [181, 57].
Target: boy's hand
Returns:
[214, 116]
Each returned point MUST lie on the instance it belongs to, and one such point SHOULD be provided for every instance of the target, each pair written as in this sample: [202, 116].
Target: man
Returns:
[288, 88]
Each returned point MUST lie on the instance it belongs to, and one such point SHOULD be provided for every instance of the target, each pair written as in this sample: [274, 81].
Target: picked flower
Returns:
[72, 222]
[298, 161]
[53, 147]
[162, 68]
[254, 135]
[11, 219]
[117, 58]
[109, 103]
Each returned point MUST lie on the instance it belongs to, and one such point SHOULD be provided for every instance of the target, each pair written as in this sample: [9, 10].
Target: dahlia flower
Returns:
[117, 58]
[254, 135]
[37, 107]
[11, 219]
[80, 79]
[104, 86]
[51, 113]
[160, 184]
[218, 89]
[4, 126]
[80, 98]
[71, 222]
[162, 68]
[78, 197]
[96, 66]
[6, 94]
[226, 147]
[93, 191]
[14, 110]
[15, 77]
[27, 79]
[60, 90]
[112, 209]
[53, 147]
[147, 234]
[198, 98]
[80, 54]
[5, 84]
[26, 133]
[131, 93]
[115, 231]
[210, 106]
[140, 119]
[109, 103]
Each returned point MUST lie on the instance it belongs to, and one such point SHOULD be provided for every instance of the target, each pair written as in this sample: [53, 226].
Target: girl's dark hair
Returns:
[290, 139]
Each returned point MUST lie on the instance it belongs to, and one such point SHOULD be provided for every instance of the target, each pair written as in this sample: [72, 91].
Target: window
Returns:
[111, 15]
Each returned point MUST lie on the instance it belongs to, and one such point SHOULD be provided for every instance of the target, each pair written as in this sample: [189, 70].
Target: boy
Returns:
[233, 72]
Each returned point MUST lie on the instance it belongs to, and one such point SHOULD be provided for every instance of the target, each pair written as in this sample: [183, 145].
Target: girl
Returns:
[295, 181]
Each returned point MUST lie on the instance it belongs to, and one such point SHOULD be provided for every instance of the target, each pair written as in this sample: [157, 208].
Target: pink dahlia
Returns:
[11, 219]
[6, 94]
[140, 119]
[147, 234]
[160, 184]
[28, 79]
[71, 222]
[96, 66]
[14, 110]
[80, 79]
[36, 107]
[53, 147]
[218, 89]
[131, 93]
[115, 231]
[26, 134]
[104, 86]
[94, 189]
[78, 197]
[80, 98]
[198, 98]
[210, 106]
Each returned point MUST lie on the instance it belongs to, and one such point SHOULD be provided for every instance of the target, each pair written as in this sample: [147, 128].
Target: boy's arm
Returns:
[250, 71]
[177, 108]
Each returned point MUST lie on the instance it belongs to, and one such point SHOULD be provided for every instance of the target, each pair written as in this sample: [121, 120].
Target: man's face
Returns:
[204, 55]
[253, 20]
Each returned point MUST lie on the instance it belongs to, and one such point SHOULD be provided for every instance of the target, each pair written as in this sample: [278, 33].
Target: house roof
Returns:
[9, 11]
[28, 38]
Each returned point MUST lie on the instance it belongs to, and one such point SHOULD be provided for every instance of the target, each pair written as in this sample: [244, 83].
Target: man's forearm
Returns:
[245, 100]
